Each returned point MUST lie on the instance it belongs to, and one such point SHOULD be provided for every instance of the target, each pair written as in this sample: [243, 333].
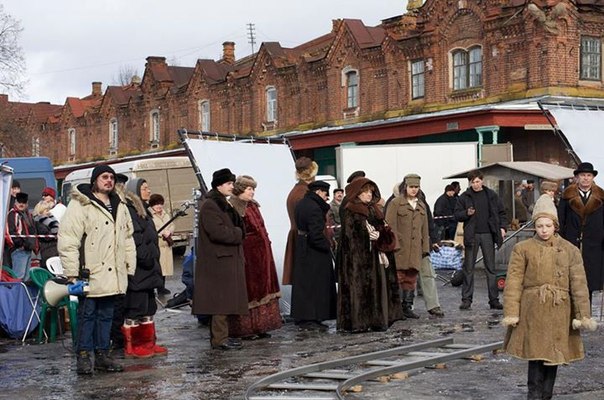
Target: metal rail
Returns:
[328, 370]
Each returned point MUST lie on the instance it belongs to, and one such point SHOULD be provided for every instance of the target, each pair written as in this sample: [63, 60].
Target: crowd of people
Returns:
[116, 236]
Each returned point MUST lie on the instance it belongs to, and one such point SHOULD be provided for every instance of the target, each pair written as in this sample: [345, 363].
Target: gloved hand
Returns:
[77, 288]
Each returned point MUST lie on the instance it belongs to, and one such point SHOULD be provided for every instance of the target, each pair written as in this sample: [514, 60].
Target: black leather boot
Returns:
[535, 380]
[408, 296]
[549, 378]
[83, 363]
[104, 362]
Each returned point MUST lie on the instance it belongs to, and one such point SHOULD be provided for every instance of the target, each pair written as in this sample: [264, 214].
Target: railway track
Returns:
[334, 379]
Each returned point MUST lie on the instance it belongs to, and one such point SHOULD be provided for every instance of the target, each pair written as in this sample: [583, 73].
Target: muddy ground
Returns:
[193, 371]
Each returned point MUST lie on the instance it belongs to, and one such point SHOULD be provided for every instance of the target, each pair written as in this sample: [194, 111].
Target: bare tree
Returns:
[12, 61]
[125, 75]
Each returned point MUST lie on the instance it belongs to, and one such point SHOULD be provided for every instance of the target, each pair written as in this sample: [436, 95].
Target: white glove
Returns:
[373, 233]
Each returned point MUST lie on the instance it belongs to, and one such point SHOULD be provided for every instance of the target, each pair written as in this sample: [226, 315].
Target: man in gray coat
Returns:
[220, 287]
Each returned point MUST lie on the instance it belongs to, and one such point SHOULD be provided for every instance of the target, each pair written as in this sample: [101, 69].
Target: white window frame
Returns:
[204, 115]
[154, 127]
[271, 104]
[113, 134]
[418, 79]
[591, 58]
[352, 89]
[467, 68]
[71, 136]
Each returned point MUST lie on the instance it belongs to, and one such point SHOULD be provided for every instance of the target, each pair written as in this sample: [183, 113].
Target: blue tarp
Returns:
[16, 309]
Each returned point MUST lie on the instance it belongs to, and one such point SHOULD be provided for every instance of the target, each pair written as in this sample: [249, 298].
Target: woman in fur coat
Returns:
[260, 272]
[368, 295]
[546, 302]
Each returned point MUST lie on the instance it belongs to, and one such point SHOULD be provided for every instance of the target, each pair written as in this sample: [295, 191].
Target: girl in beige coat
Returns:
[408, 218]
[546, 302]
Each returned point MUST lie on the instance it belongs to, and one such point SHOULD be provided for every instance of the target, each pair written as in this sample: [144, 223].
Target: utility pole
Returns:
[251, 35]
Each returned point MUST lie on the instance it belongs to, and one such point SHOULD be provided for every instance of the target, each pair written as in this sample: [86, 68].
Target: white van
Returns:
[172, 177]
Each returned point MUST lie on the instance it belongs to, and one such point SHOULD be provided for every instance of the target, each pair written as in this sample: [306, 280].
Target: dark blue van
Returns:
[34, 174]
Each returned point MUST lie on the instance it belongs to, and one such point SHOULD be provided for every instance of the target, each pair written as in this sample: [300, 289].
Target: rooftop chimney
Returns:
[97, 89]
[228, 52]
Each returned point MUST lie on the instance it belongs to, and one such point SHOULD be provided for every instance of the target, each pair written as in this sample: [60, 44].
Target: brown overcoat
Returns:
[412, 233]
[545, 289]
[295, 195]
[220, 287]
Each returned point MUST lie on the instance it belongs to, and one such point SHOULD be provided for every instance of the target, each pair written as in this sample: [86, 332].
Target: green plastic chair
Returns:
[39, 277]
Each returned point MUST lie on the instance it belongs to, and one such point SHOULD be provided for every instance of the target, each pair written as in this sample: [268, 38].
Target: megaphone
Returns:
[54, 292]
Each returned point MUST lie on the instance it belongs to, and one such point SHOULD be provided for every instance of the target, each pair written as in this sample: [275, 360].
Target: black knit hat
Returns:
[222, 176]
[100, 169]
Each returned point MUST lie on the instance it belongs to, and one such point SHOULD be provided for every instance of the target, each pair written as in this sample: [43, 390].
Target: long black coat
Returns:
[148, 270]
[497, 217]
[220, 287]
[583, 226]
[313, 278]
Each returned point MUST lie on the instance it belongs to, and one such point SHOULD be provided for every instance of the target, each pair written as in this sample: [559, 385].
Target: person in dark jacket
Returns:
[581, 216]
[139, 303]
[20, 222]
[444, 207]
[313, 278]
[220, 287]
[484, 222]
[46, 225]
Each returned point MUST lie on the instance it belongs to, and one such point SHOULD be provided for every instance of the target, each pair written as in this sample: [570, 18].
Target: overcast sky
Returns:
[70, 43]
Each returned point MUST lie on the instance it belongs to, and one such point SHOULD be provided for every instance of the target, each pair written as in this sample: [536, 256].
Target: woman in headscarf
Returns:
[368, 296]
[260, 271]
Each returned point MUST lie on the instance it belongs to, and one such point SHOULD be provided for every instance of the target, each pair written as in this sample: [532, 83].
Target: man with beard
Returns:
[95, 243]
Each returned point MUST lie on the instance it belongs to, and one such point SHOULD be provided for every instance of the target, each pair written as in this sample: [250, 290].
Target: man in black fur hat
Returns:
[581, 216]
[220, 288]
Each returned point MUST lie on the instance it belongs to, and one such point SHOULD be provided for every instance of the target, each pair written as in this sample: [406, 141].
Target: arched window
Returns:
[154, 132]
[113, 134]
[467, 68]
[271, 104]
[204, 115]
[71, 135]
[352, 89]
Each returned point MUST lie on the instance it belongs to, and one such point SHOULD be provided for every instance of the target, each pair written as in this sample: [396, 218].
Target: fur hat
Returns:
[100, 169]
[48, 191]
[545, 207]
[306, 169]
[355, 175]
[21, 197]
[548, 185]
[221, 177]
[242, 183]
[585, 167]
[156, 198]
[318, 185]
[412, 179]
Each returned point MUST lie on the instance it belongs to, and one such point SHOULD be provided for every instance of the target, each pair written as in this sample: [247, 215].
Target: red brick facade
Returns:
[526, 51]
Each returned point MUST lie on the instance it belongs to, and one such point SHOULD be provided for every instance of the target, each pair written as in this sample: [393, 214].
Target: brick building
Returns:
[446, 70]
